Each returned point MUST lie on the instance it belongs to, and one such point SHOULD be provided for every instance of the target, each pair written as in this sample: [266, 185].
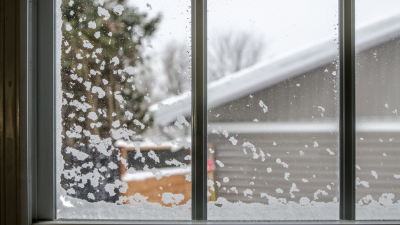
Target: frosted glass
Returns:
[118, 64]
[273, 110]
[377, 105]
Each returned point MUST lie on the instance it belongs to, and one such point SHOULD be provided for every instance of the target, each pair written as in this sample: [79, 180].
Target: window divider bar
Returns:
[45, 179]
[347, 109]
[199, 109]
[27, 101]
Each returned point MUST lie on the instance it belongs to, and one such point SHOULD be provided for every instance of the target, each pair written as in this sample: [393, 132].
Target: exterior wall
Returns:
[242, 169]
[378, 84]
[286, 101]
[297, 100]
[378, 80]
[381, 157]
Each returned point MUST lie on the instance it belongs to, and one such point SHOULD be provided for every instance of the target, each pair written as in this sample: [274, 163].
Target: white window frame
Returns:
[37, 116]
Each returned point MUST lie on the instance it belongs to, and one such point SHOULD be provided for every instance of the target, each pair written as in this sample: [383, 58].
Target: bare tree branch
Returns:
[233, 51]
[176, 62]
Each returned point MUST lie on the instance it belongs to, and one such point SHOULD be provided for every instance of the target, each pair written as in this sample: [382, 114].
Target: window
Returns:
[376, 131]
[114, 154]
[237, 151]
[274, 128]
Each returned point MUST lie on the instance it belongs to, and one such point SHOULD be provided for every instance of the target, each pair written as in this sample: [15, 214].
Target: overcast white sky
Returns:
[284, 24]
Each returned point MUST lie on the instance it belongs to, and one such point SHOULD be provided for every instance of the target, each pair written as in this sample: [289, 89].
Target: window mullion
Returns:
[45, 181]
[347, 109]
[199, 109]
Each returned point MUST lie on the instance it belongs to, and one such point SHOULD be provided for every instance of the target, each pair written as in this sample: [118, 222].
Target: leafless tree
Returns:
[232, 51]
[229, 52]
[176, 62]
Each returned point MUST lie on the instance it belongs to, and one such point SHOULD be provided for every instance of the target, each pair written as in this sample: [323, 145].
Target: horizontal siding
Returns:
[242, 169]
[297, 100]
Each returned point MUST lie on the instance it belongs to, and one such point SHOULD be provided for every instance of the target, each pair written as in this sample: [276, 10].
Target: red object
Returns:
[210, 165]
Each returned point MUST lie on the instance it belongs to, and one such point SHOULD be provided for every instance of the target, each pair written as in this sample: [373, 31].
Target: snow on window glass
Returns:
[377, 121]
[273, 109]
[119, 65]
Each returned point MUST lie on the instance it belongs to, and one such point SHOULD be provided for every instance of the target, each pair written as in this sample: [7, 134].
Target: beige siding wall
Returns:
[297, 100]
[286, 101]
[378, 80]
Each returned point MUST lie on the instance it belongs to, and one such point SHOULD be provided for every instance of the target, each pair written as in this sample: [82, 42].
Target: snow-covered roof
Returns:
[163, 172]
[147, 145]
[277, 69]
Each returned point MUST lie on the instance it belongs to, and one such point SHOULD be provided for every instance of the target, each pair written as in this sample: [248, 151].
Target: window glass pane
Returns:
[377, 106]
[119, 63]
[273, 110]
